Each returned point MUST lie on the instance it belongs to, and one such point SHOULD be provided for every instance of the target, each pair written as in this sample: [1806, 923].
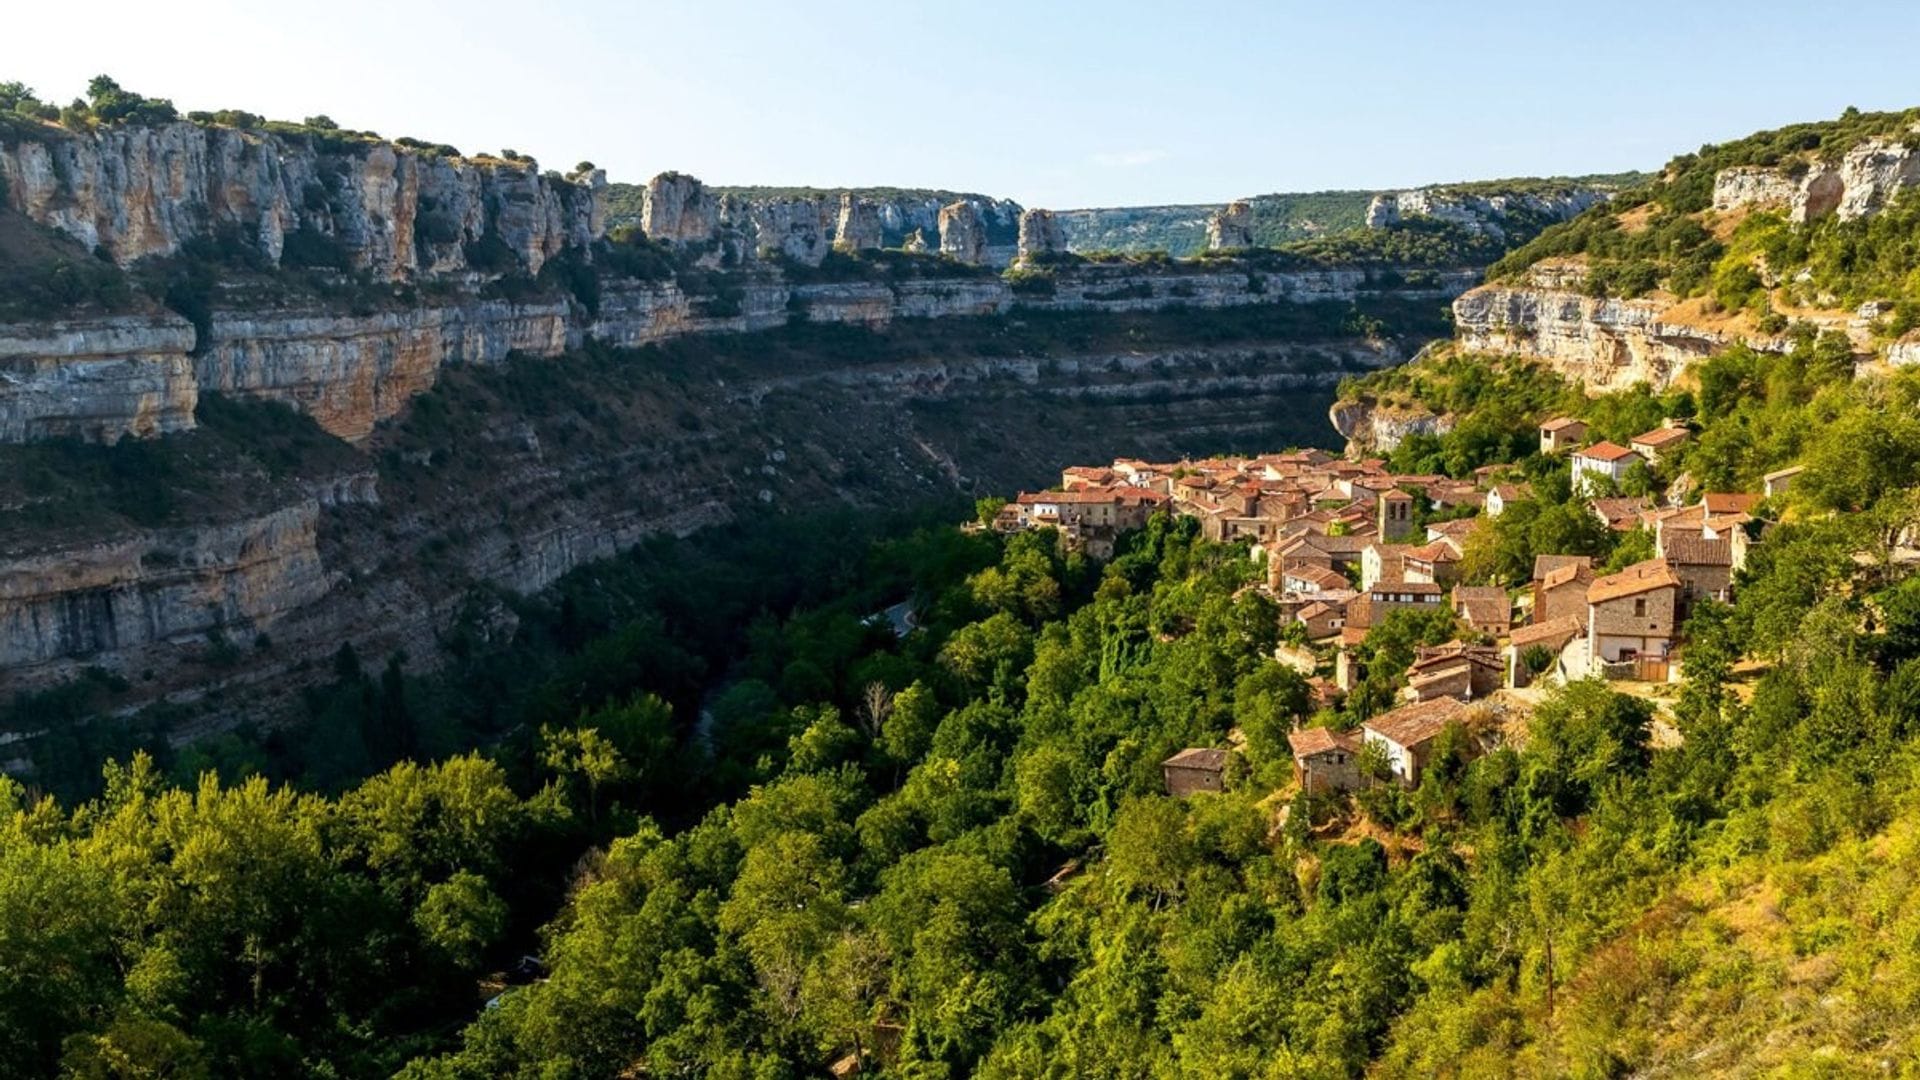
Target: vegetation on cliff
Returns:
[1664, 237]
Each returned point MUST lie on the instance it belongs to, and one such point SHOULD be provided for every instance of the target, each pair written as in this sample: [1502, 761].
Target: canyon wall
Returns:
[109, 378]
[393, 554]
[137, 192]
[1604, 344]
[130, 595]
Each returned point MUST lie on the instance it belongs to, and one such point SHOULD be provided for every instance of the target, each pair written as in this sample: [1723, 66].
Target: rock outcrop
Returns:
[96, 379]
[798, 229]
[1489, 214]
[916, 243]
[678, 209]
[858, 226]
[103, 600]
[1040, 235]
[1865, 180]
[1753, 186]
[140, 192]
[1373, 428]
[1231, 227]
[1604, 344]
[963, 236]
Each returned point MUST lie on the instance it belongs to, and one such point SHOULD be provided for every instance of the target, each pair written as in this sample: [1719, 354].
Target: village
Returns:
[1346, 542]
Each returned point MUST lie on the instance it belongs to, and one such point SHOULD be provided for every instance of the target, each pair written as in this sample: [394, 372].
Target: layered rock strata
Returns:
[140, 192]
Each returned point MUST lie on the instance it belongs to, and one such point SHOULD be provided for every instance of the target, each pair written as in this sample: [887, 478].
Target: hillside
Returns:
[1806, 227]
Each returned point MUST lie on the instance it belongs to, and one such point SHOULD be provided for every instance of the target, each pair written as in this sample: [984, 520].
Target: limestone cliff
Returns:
[1864, 180]
[122, 597]
[1604, 344]
[1493, 213]
[1374, 428]
[137, 192]
[96, 378]
[446, 505]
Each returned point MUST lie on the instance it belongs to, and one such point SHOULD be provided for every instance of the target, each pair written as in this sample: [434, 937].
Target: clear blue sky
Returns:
[1055, 104]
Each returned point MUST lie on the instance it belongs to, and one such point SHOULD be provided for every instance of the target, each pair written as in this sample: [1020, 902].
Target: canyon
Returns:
[420, 384]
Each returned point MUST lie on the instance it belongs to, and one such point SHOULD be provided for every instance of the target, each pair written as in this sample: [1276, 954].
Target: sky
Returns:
[1054, 104]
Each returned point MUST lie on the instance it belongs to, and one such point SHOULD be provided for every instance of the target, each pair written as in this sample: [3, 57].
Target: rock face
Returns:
[798, 229]
[1231, 227]
[1604, 344]
[106, 378]
[1873, 173]
[1491, 215]
[916, 243]
[1867, 178]
[678, 209]
[963, 236]
[96, 379]
[1754, 186]
[138, 192]
[858, 226]
[349, 372]
[1372, 428]
[174, 585]
[1040, 235]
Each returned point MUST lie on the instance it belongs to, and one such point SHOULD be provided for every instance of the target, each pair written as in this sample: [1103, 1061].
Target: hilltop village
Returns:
[1346, 542]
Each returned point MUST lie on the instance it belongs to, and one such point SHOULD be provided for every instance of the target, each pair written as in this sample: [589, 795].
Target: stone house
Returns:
[1600, 465]
[1659, 442]
[1778, 481]
[1437, 562]
[1325, 761]
[1552, 636]
[1455, 670]
[1322, 619]
[1562, 433]
[1382, 562]
[1314, 579]
[1486, 608]
[1560, 584]
[1634, 613]
[1406, 734]
[1194, 770]
[1502, 496]
[1704, 567]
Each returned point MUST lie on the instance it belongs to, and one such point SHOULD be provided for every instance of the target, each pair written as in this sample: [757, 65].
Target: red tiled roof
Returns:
[1605, 451]
[1660, 437]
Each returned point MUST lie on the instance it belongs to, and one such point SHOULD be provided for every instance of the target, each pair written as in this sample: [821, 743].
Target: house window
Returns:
[1640, 607]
